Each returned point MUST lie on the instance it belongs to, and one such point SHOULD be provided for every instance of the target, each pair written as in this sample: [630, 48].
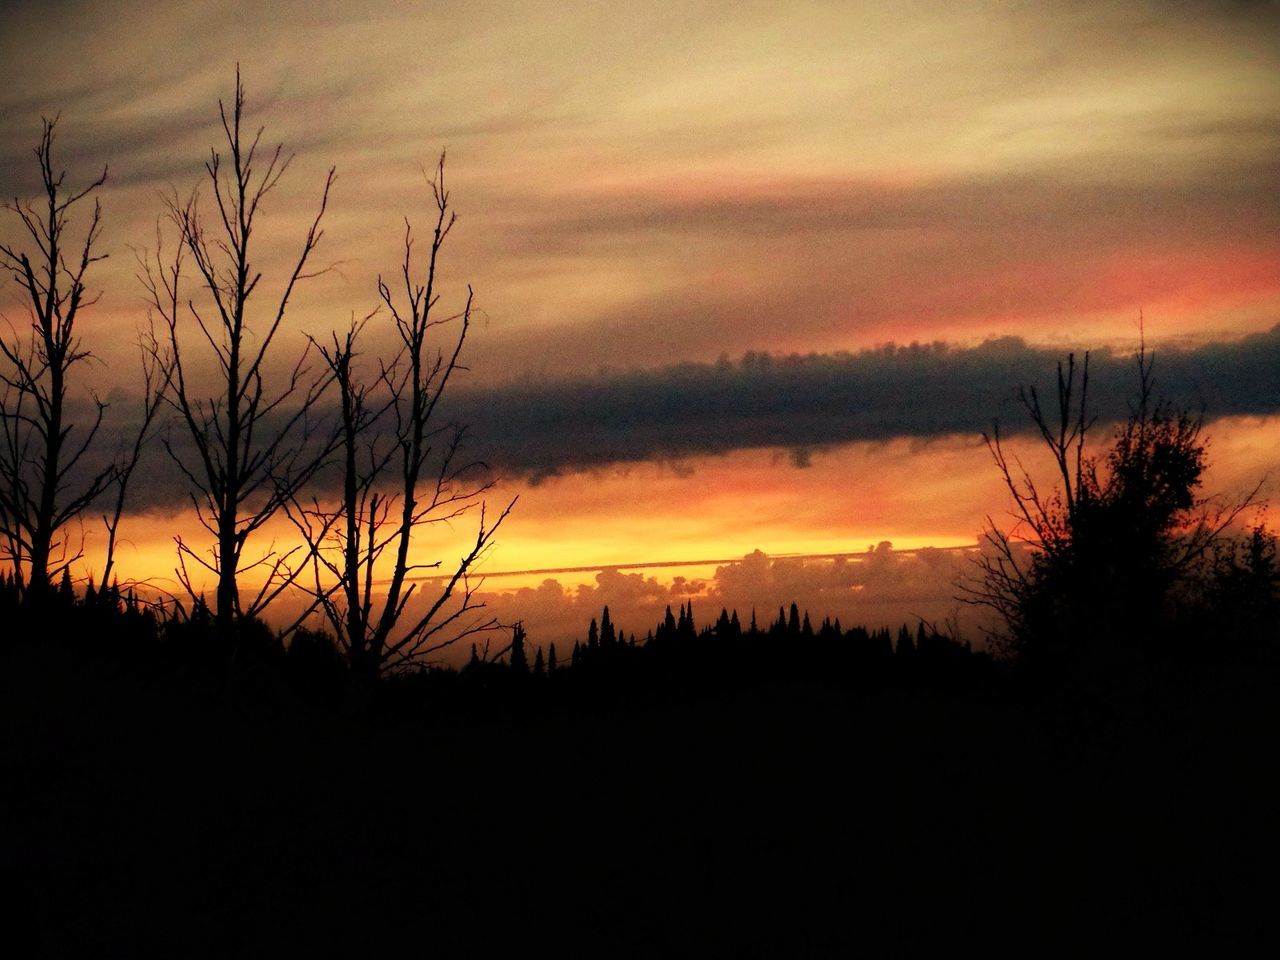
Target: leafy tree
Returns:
[1109, 551]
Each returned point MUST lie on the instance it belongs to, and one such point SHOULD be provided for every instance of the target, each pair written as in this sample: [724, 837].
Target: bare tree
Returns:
[394, 487]
[44, 484]
[249, 447]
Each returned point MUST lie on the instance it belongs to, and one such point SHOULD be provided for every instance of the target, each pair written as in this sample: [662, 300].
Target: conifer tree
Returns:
[722, 624]
[906, 648]
[519, 661]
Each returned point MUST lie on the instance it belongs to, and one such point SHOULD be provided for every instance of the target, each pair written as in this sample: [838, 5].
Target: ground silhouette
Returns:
[171, 795]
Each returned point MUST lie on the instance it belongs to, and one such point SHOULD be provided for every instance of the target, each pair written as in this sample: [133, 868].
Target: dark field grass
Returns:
[144, 816]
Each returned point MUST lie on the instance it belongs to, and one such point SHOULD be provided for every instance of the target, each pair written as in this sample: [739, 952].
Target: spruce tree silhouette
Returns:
[608, 637]
[519, 659]
[905, 649]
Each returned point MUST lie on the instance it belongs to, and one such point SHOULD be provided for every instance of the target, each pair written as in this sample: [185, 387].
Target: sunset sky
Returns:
[652, 195]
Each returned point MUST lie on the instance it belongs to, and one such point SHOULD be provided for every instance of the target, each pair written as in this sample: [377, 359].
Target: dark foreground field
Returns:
[140, 817]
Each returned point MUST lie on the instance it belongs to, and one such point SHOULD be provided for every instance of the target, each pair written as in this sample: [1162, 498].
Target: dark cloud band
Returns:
[798, 403]
[819, 400]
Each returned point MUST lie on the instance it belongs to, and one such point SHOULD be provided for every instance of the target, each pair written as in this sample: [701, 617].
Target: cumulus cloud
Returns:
[879, 587]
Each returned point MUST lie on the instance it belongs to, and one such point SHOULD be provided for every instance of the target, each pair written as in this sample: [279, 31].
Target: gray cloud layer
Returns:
[808, 402]
[804, 404]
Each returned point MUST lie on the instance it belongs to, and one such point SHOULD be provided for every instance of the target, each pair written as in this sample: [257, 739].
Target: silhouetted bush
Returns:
[1117, 555]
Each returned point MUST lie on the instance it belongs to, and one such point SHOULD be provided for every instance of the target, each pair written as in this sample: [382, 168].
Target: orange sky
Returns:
[682, 181]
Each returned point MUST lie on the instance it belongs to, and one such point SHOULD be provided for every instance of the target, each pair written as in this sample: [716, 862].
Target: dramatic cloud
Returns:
[643, 189]
[816, 401]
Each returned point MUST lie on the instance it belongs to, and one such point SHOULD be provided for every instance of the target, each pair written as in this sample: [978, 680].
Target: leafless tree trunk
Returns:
[250, 448]
[379, 516]
[40, 495]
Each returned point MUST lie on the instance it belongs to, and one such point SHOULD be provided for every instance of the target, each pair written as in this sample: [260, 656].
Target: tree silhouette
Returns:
[249, 446]
[519, 659]
[40, 445]
[398, 484]
[1102, 555]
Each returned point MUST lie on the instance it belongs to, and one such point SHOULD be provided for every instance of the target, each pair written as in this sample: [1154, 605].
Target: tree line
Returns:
[675, 657]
